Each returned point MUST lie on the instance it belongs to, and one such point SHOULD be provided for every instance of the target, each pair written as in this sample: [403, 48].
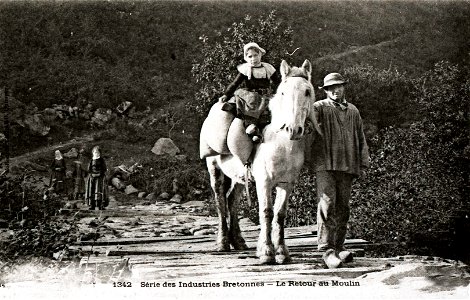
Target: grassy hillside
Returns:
[108, 52]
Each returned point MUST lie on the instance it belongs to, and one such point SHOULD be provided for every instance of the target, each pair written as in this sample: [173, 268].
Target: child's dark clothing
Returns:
[249, 93]
[57, 180]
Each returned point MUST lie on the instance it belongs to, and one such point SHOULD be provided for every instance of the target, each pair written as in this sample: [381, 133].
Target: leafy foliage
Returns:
[384, 97]
[223, 53]
[158, 173]
[418, 183]
[35, 230]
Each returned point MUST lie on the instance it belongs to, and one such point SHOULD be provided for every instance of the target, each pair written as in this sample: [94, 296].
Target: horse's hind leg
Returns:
[280, 213]
[218, 187]
[235, 234]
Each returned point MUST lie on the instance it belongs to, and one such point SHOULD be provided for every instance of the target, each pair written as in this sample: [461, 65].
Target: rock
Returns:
[36, 124]
[164, 196]
[124, 107]
[49, 114]
[165, 146]
[121, 172]
[101, 117]
[73, 153]
[151, 197]
[130, 190]
[118, 183]
[177, 198]
[142, 194]
[58, 255]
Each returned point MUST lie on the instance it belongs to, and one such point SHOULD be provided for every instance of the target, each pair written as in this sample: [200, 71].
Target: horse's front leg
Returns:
[265, 249]
[235, 234]
[280, 212]
[218, 187]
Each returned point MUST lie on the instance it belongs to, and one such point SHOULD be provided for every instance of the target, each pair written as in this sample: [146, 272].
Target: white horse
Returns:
[276, 164]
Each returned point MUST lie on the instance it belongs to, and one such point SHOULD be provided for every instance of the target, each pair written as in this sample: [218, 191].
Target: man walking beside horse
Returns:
[339, 154]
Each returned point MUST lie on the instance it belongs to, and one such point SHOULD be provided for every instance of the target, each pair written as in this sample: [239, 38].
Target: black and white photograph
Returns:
[234, 149]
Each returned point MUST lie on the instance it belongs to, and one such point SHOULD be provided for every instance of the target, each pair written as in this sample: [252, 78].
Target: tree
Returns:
[221, 55]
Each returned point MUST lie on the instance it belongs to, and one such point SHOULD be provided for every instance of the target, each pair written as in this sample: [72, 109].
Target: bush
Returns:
[443, 98]
[36, 230]
[384, 97]
[157, 175]
[417, 185]
[224, 53]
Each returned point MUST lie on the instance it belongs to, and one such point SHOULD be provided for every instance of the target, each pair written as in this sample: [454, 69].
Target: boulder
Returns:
[36, 124]
[49, 114]
[164, 196]
[165, 146]
[151, 197]
[130, 190]
[176, 198]
[121, 172]
[102, 116]
[118, 183]
[142, 194]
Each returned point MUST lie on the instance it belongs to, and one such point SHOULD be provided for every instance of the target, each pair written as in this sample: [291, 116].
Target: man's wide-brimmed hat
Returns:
[333, 79]
[253, 45]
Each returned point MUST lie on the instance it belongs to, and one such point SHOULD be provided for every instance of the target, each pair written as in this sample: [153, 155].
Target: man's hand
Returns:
[223, 99]
[362, 173]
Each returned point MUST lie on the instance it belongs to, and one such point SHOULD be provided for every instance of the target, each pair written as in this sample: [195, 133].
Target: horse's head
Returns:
[293, 100]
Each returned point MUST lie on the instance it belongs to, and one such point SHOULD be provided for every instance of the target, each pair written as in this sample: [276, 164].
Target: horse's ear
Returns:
[307, 66]
[285, 68]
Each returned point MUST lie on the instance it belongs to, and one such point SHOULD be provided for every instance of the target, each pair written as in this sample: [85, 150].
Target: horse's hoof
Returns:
[223, 246]
[266, 260]
[332, 260]
[239, 244]
[345, 256]
[283, 259]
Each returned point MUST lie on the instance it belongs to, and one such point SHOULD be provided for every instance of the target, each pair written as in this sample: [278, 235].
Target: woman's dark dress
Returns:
[96, 193]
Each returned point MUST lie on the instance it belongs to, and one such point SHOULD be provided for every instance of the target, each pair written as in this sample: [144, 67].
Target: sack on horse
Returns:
[222, 133]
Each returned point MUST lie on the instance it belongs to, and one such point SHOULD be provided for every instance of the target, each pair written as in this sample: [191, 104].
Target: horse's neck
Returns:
[280, 140]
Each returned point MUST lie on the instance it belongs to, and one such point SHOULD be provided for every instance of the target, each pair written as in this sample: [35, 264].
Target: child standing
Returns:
[249, 93]
[58, 171]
